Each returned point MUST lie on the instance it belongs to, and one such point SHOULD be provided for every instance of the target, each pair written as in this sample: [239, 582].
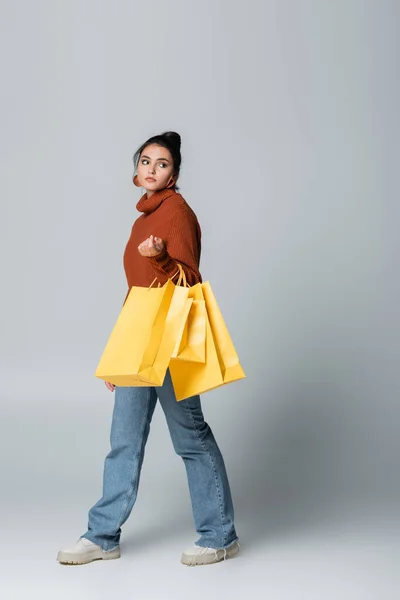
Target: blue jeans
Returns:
[192, 439]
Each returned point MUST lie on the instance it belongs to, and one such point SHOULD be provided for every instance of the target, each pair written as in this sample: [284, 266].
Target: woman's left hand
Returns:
[151, 247]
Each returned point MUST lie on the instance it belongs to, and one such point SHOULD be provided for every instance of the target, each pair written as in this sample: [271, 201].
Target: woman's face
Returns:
[156, 163]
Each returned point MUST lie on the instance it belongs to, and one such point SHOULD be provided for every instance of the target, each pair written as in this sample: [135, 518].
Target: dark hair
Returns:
[169, 140]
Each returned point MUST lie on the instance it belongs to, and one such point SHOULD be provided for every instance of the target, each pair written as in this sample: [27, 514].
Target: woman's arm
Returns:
[183, 245]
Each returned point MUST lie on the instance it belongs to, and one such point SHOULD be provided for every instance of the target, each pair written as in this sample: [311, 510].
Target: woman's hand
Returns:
[151, 247]
[110, 386]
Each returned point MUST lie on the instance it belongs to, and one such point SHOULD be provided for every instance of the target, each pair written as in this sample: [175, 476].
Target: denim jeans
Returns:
[192, 439]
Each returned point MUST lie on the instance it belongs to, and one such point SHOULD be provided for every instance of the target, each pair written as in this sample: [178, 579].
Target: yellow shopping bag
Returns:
[227, 356]
[221, 361]
[191, 342]
[141, 343]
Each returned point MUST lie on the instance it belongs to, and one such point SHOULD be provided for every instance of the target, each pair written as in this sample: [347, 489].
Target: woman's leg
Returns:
[132, 414]
[209, 488]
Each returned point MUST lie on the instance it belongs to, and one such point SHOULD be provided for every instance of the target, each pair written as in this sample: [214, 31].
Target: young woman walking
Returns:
[166, 233]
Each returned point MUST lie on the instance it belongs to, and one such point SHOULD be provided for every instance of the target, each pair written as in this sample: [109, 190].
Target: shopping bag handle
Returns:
[181, 278]
[153, 282]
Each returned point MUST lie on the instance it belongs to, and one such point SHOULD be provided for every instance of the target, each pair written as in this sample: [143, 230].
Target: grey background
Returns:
[288, 112]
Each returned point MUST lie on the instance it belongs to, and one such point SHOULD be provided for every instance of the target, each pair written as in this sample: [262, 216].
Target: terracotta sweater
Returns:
[166, 215]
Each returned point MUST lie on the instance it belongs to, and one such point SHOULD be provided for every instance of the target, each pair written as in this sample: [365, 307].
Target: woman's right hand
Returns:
[110, 386]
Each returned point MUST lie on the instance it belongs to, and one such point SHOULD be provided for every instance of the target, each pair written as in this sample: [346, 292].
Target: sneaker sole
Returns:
[65, 558]
[209, 559]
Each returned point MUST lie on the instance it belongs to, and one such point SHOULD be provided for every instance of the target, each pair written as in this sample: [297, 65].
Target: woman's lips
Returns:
[150, 179]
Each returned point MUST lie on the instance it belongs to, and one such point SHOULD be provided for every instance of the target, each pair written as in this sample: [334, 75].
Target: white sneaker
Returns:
[84, 551]
[200, 555]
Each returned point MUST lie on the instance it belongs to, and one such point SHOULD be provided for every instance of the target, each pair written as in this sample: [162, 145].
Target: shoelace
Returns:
[203, 550]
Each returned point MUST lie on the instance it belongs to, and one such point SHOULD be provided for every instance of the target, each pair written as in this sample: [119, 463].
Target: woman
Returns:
[167, 232]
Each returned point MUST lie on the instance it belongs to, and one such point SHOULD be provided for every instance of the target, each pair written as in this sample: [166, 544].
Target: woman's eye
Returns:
[144, 161]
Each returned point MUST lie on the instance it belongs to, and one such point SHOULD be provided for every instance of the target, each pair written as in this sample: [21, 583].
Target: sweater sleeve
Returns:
[182, 245]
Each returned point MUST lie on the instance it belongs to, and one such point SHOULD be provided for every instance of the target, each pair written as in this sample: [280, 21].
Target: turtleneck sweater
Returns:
[166, 215]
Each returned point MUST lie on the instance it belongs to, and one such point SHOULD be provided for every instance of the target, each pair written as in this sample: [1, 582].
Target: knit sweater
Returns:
[168, 216]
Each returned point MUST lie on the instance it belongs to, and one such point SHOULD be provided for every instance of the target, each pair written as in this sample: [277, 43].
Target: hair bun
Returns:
[174, 137]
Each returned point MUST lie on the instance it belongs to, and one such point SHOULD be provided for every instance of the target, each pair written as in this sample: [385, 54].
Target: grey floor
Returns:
[354, 559]
[297, 540]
